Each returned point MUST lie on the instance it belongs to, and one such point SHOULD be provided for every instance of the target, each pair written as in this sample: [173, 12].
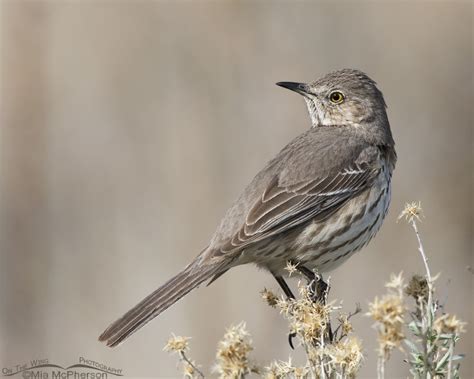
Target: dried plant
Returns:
[329, 354]
[388, 313]
[233, 354]
[180, 346]
[417, 328]
[431, 336]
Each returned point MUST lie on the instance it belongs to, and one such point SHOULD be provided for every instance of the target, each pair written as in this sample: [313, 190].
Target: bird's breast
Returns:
[325, 245]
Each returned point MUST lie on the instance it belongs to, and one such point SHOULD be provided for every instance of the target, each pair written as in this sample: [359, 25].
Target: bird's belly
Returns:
[324, 246]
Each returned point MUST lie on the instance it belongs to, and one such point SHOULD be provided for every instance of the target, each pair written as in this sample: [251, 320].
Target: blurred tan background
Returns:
[128, 128]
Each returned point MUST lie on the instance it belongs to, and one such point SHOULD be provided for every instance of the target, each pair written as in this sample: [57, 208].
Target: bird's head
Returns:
[344, 97]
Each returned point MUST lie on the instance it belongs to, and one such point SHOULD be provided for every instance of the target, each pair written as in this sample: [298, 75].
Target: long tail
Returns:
[165, 296]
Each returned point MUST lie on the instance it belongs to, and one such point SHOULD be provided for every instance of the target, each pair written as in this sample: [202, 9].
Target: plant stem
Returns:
[323, 370]
[427, 319]
[450, 363]
[185, 358]
[421, 250]
[381, 367]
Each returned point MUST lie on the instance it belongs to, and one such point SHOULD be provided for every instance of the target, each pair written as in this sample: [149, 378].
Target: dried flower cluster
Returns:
[233, 353]
[329, 354]
[177, 344]
[418, 288]
[270, 298]
[346, 356]
[286, 369]
[307, 318]
[180, 345]
[411, 212]
[447, 323]
[432, 337]
[388, 314]
[291, 268]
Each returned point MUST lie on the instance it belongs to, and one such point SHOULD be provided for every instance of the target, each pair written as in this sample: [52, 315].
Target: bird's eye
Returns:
[336, 97]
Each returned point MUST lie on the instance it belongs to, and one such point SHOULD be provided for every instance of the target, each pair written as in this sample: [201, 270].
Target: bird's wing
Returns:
[282, 207]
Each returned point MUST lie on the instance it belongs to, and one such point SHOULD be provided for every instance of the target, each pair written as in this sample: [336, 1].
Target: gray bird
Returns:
[321, 199]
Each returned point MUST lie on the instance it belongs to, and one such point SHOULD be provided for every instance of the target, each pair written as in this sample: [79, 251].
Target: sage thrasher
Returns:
[322, 198]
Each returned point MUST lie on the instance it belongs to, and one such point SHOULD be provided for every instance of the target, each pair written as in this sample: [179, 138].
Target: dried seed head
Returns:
[282, 369]
[346, 326]
[346, 355]
[233, 353]
[291, 268]
[397, 282]
[388, 315]
[177, 344]
[270, 297]
[418, 288]
[412, 210]
[449, 324]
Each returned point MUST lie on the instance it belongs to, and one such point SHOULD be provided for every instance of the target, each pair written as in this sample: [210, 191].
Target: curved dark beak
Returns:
[301, 88]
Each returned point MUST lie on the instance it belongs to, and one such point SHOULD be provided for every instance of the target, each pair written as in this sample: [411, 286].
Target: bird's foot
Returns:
[290, 339]
[318, 288]
[318, 293]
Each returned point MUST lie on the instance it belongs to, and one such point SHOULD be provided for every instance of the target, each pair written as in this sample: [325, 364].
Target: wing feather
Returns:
[283, 207]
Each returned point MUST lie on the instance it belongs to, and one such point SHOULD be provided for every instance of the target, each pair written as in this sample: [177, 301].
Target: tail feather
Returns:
[151, 306]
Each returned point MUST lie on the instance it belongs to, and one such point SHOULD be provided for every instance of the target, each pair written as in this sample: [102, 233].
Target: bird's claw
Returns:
[290, 339]
[318, 289]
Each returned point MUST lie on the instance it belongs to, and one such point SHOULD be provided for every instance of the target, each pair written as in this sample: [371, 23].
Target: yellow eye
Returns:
[336, 97]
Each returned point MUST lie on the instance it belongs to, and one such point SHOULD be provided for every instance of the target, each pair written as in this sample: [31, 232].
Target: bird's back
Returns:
[311, 154]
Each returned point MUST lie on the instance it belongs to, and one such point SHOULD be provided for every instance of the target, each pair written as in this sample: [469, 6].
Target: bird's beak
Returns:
[301, 88]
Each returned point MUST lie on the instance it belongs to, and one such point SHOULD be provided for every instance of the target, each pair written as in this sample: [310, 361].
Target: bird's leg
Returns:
[319, 291]
[318, 287]
[286, 289]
